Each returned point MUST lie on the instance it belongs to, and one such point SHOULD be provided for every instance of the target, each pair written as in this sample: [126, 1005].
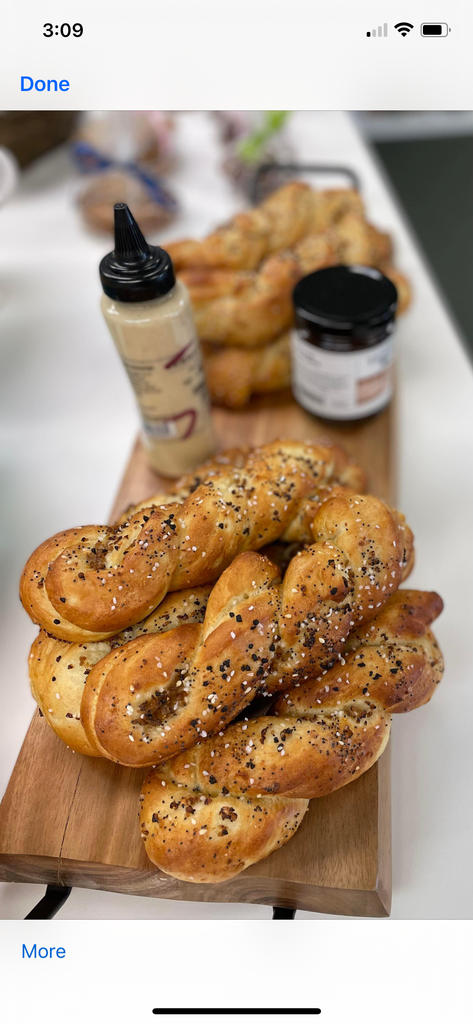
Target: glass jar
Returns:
[342, 343]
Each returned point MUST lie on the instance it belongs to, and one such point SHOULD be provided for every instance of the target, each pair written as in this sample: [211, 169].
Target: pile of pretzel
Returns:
[157, 633]
[241, 279]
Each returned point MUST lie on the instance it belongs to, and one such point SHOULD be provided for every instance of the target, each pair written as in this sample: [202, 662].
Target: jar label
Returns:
[342, 385]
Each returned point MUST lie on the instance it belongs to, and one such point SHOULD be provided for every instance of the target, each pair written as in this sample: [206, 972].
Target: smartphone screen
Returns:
[236, 449]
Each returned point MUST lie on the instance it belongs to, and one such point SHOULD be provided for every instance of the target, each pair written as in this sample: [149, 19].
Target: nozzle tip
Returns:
[129, 241]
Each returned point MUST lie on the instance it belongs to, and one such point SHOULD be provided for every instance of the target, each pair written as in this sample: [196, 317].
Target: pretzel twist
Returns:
[231, 800]
[58, 669]
[249, 308]
[92, 582]
[254, 306]
[156, 695]
[233, 375]
[292, 211]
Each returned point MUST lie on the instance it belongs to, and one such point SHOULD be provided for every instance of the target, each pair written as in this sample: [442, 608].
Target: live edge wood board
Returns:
[73, 820]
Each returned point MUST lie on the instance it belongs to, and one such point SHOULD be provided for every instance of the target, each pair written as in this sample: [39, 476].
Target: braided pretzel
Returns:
[292, 211]
[230, 801]
[92, 582]
[272, 464]
[259, 304]
[217, 466]
[250, 308]
[233, 375]
[156, 695]
[58, 669]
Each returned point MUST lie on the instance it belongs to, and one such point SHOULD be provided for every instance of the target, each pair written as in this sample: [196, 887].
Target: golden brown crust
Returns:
[239, 244]
[34, 595]
[259, 306]
[234, 374]
[207, 813]
[324, 464]
[250, 309]
[242, 243]
[241, 277]
[189, 482]
[289, 213]
[290, 210]
[358, 242]
[58, 669]
[112, 577]
[248, 306]
[240, 313]
[206, 284]
[157, 694]
[103, 579]
[330, 205]
[241, 830]
[392, 662]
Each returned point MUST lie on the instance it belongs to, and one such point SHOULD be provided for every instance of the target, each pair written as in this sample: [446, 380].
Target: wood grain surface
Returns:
[73, 820]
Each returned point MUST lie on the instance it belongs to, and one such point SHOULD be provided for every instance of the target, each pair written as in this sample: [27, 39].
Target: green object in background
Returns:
[251, 149]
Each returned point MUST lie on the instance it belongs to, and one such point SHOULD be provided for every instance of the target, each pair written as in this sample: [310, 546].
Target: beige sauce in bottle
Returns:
[150, 319]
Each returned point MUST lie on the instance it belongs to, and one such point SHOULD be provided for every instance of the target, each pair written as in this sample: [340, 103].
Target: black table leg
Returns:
[56, 895]
[52, 901]
[283, 914]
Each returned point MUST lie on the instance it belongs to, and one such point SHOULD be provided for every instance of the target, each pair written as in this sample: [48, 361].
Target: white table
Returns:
[67, 421]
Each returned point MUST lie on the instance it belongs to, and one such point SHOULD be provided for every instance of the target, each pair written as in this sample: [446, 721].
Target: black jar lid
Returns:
[345, 298]
[135, 271]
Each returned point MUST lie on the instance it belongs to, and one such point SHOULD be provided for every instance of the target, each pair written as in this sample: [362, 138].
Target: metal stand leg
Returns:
[52, 901]
[283, 914]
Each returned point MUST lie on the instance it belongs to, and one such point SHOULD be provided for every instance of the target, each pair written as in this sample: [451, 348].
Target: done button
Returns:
[43, 84]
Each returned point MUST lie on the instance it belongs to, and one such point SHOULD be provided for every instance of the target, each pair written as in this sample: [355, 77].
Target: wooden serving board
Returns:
[73, 820]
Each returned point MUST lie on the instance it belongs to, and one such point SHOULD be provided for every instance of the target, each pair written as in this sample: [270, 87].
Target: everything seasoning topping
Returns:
[298, 629]
[320, 737]
[318, 638]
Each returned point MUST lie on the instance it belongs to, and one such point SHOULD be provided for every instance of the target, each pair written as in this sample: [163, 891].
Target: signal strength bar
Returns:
[382, 31]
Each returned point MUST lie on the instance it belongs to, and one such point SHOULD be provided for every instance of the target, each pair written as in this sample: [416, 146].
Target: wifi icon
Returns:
[403, 27]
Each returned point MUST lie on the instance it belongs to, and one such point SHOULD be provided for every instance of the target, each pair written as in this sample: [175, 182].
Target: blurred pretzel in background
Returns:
[290, 213]
[241, 278]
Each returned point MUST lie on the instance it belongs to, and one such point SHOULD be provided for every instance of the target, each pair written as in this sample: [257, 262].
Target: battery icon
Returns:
[434, 29]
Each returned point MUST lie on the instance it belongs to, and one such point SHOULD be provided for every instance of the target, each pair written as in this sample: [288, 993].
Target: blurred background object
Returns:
[428, 155]
[30, 133]
[252, 138]
[126, 153]
[8, 174]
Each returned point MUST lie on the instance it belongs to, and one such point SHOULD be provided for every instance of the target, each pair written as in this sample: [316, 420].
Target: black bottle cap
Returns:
[134, 271]
[346, 298]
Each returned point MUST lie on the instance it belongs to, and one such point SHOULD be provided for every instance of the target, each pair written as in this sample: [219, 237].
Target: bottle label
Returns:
[165, 381]
[342, 385]
[166, 428]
